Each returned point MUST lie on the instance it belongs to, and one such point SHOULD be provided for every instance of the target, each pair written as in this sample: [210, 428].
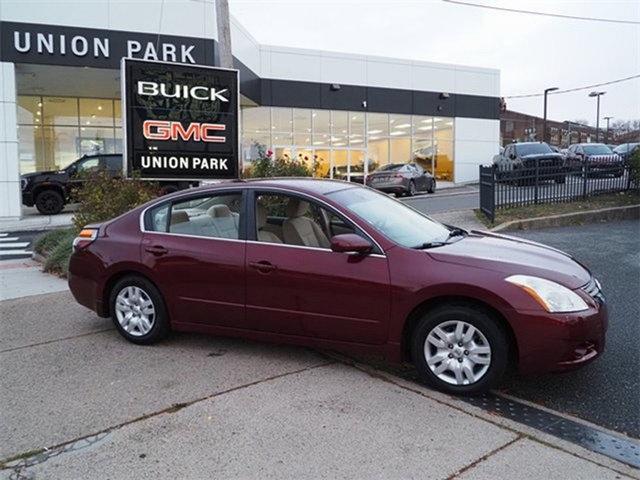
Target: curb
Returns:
[631, 212]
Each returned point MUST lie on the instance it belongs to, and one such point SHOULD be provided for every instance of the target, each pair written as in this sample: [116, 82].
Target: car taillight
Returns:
[84, 238]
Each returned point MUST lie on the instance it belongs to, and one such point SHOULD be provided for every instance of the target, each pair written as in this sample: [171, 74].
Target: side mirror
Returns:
[512, 156]
[350, 243]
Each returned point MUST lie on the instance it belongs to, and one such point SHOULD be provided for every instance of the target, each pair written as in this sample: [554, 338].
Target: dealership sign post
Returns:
[180, 121]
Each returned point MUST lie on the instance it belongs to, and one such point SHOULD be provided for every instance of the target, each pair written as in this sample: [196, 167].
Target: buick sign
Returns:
[180, 121]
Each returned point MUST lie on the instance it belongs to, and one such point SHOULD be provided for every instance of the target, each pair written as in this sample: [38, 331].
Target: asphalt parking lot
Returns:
[605, 392]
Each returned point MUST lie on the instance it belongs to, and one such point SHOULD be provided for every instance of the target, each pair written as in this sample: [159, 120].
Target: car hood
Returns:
[533, 156]
[51, 174]
[512, 256]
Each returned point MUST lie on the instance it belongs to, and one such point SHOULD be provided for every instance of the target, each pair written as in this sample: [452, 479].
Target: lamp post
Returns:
[544, 121]
[606, 134]
[597, 95]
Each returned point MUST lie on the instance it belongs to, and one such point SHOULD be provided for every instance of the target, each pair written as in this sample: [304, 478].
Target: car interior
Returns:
[293, 221]
[217, 217]
[280, 219]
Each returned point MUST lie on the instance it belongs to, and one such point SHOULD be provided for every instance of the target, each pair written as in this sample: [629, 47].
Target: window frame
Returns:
[252, 227]
[146, 223]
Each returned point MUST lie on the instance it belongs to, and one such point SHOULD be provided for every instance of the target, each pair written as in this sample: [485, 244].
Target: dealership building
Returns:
[342, 113]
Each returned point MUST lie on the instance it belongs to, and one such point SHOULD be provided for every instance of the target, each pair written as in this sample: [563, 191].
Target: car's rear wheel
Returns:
[459, 349]
[49, 202]
[432, 187]
[138, 310]
[411, 189]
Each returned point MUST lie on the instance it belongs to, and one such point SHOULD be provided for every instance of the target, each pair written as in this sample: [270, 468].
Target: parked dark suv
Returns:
[49, 191]
[518, 162]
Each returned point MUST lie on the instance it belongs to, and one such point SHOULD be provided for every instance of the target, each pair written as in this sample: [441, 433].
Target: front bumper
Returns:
[559, 342]
[27, 199]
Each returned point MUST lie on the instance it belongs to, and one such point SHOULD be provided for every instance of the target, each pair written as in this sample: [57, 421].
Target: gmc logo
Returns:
[198, 132]
[181, 91]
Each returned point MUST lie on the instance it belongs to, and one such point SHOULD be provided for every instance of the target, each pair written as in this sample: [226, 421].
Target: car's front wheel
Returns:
[49, 202]
[459, 349]
[138, 310]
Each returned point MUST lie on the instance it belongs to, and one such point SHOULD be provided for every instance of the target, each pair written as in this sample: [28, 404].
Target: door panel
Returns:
[196, 249]
[297, 286]
[318, 293]
[201, 278]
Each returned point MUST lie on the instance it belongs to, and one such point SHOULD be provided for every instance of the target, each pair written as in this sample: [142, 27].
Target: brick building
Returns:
[520, 127]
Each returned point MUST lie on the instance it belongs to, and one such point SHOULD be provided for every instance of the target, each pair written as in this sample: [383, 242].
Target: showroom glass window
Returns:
[348, 145]
[55, 131]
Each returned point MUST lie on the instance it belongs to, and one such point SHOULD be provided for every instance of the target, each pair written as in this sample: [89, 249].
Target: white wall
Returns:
[476, 141]
[10, 200]
[197, 19]
[332, 67]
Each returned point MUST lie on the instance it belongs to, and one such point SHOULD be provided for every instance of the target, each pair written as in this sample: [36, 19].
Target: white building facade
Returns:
[341, 113]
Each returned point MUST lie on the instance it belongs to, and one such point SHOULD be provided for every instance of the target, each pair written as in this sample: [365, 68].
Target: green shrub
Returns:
[48, 240]
[268, 166]
[56, 246]
[103, 197]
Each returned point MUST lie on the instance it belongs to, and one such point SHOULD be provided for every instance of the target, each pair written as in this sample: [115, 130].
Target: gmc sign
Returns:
[180, 121]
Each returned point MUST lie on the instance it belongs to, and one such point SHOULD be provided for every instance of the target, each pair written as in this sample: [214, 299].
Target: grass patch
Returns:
[620, 199]
[56, 247]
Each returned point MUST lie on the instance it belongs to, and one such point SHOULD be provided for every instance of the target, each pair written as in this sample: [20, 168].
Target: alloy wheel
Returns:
[457, 353]
[135, 311]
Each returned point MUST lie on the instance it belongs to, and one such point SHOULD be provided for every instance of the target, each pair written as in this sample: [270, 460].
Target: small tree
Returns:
[268, 166]
[103, 197]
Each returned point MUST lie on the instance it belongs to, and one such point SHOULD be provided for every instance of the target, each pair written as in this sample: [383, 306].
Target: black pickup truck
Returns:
[50, 191]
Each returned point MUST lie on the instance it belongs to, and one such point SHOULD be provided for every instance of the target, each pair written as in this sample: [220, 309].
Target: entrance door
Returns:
[297, 285]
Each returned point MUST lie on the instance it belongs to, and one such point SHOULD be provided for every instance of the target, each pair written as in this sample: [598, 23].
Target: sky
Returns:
[532, 52]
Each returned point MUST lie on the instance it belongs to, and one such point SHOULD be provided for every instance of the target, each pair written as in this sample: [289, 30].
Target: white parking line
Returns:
[14, 252]
[4, 234]
[8, 239]
[13, 245]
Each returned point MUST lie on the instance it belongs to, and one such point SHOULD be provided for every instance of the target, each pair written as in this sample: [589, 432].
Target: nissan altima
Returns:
[336, 265]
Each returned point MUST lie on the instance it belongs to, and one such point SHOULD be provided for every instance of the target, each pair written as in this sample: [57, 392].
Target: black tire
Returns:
[432, 187]
[160, 326]
[49, 202]
[480, 320]
[411, 189]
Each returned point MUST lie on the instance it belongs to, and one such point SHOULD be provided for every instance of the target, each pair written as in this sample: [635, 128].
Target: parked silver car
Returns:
[402, 179]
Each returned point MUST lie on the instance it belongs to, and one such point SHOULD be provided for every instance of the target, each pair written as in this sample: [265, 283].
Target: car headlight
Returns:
[552, 296]
[23, 183]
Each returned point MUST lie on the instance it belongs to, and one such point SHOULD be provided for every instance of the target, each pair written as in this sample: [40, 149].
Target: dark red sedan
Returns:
[334, 265]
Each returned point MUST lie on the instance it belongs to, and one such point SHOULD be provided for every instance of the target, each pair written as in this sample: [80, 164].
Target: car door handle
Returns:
[156, 250]
[263, 266]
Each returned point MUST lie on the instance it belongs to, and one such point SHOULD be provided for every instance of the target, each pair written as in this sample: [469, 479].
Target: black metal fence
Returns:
[538, 183]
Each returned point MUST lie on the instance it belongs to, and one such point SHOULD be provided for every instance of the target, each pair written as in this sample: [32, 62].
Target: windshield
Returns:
[524, 149]
[625, 147]
[398, 222]
[597, 149]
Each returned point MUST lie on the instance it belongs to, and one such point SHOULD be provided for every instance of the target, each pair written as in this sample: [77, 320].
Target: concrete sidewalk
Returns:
[80, 402]
[23, 278]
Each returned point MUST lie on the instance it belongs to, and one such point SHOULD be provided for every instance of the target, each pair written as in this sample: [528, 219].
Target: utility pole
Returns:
[597, 95]
[606, 135]
[544, 122]
[224, 34]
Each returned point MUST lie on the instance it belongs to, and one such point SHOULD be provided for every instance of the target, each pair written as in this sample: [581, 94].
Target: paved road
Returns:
[607, 392]
[445, 201]
[17, 245]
